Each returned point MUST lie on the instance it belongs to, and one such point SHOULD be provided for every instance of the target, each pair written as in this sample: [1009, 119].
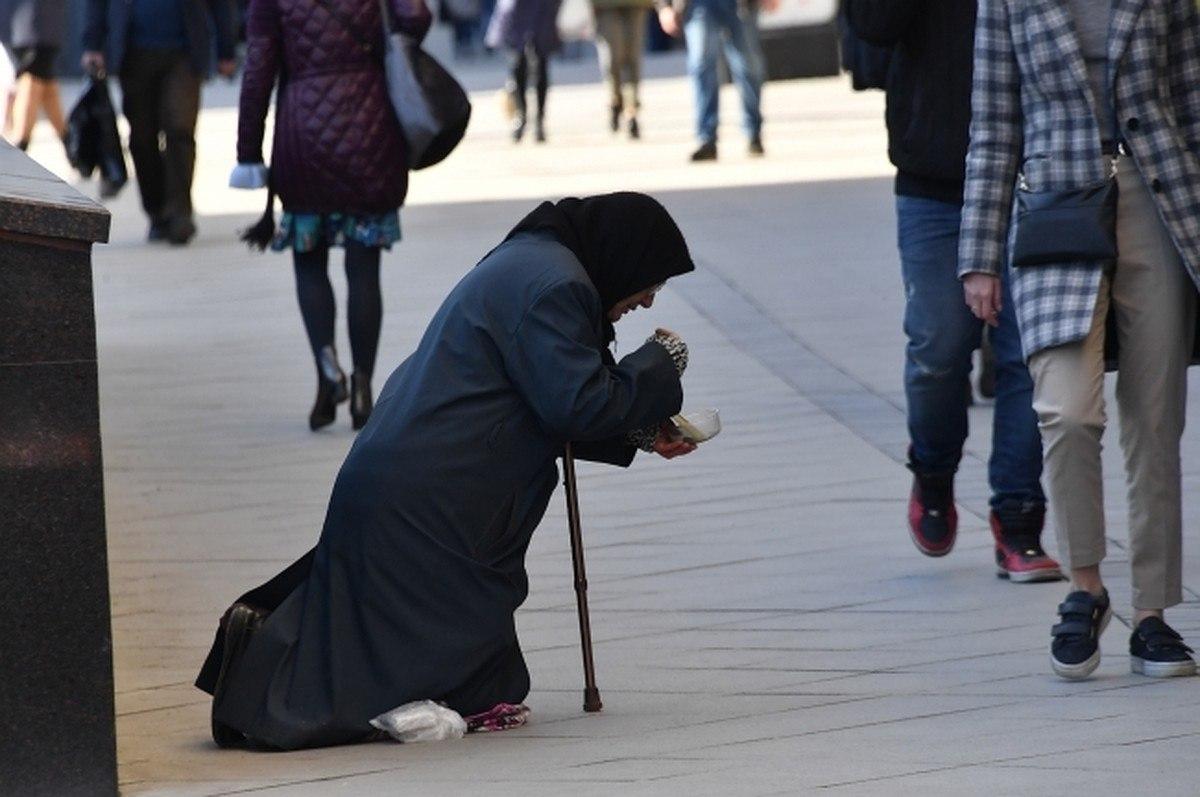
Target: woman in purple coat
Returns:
[339, 166]
[529, 29]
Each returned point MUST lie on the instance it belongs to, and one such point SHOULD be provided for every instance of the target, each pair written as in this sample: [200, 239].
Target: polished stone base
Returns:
[56, 700]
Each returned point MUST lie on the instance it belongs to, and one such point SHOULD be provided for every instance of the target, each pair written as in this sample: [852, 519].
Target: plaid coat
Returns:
[1033, 111]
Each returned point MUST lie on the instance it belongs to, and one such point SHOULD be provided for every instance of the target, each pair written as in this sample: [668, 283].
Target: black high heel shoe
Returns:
[331, 390]
[361, 402]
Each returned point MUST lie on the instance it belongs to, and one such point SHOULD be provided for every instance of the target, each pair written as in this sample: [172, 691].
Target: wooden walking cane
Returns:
[591, 695]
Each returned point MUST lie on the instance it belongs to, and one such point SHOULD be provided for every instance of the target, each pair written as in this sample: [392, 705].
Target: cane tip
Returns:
[591, 701]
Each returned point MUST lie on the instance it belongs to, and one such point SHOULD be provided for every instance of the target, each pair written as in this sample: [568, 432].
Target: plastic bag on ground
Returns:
[421, 721]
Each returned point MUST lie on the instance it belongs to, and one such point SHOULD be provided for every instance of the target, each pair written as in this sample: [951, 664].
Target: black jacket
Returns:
[107, 23]
[928, 89]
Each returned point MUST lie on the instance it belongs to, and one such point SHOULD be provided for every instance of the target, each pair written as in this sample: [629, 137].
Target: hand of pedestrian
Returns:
[768, 6]
[92, 62]
[669, 21]
[982, 294]
[668, 444]
[227, 68]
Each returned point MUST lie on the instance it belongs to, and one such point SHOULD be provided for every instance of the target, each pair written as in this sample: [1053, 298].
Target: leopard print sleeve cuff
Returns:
[674, 346]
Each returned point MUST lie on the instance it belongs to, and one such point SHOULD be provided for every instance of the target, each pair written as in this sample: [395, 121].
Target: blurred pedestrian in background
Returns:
[708, 26]
[35, 37]
[161, 49]
[464, 18]
[1103, 99]
[339, 166]
[620, 41]
[528, 29]
[410, 591]
[928, 79]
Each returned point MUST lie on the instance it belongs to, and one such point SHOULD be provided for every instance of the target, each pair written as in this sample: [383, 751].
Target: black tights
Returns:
[364, 303]
[521, 60]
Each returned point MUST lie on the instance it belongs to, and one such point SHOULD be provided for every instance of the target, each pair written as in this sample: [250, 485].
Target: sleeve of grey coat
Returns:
[95, 25]
[555, 360]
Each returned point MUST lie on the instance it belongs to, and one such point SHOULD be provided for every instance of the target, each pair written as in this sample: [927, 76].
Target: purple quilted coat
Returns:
[338, 147]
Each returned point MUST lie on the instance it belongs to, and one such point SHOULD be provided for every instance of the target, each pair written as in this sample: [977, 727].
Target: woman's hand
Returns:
[982, 294]
[668, 445]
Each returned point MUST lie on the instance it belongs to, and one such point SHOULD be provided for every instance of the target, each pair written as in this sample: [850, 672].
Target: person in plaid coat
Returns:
[1063, 92]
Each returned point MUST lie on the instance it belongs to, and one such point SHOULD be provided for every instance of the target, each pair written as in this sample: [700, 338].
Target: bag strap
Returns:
[349, 26]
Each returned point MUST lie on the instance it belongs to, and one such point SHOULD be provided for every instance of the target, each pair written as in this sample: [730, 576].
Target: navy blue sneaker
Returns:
[1157, 650]
[1075, 651]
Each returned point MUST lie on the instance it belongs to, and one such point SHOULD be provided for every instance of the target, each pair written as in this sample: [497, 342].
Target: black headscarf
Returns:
[627, 242]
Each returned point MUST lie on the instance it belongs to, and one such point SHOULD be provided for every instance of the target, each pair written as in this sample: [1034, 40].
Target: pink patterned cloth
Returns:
[500, 717]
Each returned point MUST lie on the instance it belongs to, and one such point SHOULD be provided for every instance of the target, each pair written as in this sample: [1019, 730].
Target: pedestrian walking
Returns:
[620, 41]
[35, 37]
[410, 592]
[1099, 98]
[708, 26]
[528, 29]
[161, 49]
[928, 114]
[464, 19]
[339, 166]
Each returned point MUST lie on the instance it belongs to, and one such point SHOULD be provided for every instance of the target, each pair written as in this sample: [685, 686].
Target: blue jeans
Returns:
[709, 26]
[942, 333]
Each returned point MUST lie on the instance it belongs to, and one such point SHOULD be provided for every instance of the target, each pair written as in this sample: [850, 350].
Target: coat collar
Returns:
[1120, 31]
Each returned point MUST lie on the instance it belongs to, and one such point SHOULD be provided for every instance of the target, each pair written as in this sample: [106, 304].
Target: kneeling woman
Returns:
[410, 592]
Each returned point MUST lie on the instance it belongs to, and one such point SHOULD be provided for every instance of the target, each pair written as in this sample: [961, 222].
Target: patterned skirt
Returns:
[305, 232]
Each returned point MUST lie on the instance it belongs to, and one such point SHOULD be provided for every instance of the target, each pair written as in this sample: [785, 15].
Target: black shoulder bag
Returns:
[1069, 225]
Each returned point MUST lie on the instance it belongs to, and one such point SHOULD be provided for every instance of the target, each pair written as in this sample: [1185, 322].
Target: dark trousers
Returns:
[161, 101]
[519, 79]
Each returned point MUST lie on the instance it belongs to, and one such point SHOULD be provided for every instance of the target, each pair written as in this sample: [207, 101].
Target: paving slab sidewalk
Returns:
[763, 624]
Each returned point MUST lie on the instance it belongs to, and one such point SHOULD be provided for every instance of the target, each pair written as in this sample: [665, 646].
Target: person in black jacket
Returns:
[928, 119]
[161, 51]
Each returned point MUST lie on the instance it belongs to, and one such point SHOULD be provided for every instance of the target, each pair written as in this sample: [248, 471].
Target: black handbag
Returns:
[1066, 226]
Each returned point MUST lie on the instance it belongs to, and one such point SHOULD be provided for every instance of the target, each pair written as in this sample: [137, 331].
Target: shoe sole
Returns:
[932, 552]
[1161, 669]
[1077, 672]
[1030, 576]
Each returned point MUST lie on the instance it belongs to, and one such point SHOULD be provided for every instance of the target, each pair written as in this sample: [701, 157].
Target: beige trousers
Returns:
[620, 39]
[1154, 301]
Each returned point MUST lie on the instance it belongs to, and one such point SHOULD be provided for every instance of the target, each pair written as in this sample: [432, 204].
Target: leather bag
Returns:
[1066, 226]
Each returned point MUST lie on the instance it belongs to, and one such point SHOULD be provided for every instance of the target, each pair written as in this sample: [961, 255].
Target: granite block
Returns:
[35, 202]
[57, 701]
[46, 304]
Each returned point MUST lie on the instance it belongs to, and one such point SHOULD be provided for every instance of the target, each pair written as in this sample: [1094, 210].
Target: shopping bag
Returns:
[93, 141]
[432, 107]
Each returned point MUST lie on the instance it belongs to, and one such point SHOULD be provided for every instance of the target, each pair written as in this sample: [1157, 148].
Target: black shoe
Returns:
[932, 516]
[158, 231]
[539, 131]
[706, 152]
[1157, 650]
[181, 231]
[1017, 532]
[331, 390]
[518, 130]
[755, 149]
[1075, 651]
[635, 132]
[361, 402]
[614, 118]
[240, 624]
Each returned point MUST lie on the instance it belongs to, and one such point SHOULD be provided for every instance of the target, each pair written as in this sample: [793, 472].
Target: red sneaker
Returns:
[932, 517]
[1017, 529]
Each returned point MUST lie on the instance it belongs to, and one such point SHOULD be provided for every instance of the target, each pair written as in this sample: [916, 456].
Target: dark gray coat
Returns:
[410, 592]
